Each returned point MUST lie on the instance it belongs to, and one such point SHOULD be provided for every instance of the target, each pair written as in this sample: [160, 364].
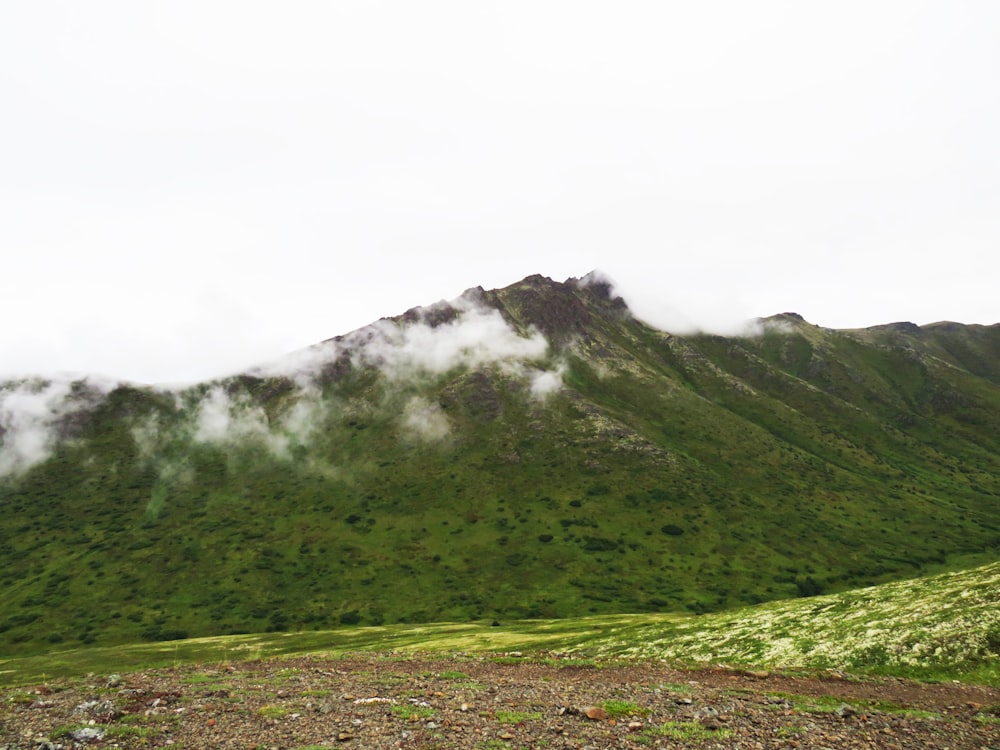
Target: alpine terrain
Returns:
[529, 452]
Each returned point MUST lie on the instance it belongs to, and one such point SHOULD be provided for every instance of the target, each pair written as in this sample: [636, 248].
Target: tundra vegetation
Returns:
[936, 628]
[530, 453]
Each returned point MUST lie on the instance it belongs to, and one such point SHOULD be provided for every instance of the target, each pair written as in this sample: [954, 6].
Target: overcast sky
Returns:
[187, 188]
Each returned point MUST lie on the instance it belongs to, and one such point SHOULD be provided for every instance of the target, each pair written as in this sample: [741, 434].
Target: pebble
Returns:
[746, 718]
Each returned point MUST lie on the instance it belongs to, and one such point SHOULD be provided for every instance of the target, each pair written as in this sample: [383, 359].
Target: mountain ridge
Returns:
[531, 451]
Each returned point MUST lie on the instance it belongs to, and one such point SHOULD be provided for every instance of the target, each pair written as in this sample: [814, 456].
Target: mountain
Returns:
[532, 451]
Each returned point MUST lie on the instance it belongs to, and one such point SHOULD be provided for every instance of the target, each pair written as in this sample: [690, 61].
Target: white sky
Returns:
[187, 188]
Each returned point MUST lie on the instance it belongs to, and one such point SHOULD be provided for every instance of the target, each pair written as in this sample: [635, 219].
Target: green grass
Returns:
[273, 712]
[686, 731]
[934, 628]
[469, 685]
[411, 711]
[830, 704]
[676, 687]
[618, 708]
[516, 717]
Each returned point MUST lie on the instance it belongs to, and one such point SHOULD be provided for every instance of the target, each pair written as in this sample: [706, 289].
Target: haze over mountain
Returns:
[529, 451]
[189, 188]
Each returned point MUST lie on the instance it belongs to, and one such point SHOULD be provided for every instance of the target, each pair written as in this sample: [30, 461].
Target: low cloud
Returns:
[146, 435]
[231, 419]
[476, 338]
[403, 350]
[546, 382]
[431, 341]
[35, 414]
[680, 303]
[425, 420]
[222, 419]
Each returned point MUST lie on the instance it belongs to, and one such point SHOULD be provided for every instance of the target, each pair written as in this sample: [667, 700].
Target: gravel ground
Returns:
[387, 701]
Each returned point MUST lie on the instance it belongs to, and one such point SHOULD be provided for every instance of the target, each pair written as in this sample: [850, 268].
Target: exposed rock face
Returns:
[563, 311]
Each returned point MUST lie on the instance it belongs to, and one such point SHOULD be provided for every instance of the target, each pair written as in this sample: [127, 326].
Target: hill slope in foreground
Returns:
[529, 452]
[576, 683]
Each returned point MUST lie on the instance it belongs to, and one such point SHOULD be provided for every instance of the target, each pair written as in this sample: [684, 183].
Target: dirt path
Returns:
[384, 701]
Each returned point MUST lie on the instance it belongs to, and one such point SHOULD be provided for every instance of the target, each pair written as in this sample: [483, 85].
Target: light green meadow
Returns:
[937, 627]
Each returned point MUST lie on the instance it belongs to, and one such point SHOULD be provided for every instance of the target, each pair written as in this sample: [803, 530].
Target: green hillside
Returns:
[530, 452]
[939, 627]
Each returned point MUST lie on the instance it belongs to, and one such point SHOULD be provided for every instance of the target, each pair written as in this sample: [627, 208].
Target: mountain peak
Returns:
[560, 310]
[904, 327]
[785, 320]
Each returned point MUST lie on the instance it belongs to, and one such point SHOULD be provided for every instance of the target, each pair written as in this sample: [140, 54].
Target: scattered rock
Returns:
[749, 711]
[87, 734]
[595, 713]
[708, 717]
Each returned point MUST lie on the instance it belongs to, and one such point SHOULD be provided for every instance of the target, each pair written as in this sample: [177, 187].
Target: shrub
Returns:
[350, 618]
[599, 544]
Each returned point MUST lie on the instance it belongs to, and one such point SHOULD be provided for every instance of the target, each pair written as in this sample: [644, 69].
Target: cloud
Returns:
[301, 422]
[425, 420]
[228, 419]
[546, 382]
[35, 414]
[476, 338]
[426, 342]
[220, 418]
[146, 435]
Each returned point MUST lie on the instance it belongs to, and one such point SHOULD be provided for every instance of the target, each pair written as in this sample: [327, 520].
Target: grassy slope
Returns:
[936, 627]
[671, 474]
